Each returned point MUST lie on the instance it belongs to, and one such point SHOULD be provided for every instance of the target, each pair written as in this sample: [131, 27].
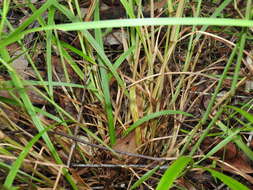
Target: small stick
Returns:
[163, 167]
[73, 146]
[117, 151]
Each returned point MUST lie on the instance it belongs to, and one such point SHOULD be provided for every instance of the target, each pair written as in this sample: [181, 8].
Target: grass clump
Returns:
[109, 94]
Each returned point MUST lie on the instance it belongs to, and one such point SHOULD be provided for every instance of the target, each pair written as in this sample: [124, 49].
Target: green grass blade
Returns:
[130, 23]
[17, 164]
[77, 51]
[17, 33]
[218, 87]
[17, 82]
[6, 4]
[152, 116]
[210, 105]
[105, 85]
[128, 8]
[117, 23]
[205, 132]
[144, 178]
[220, 145]
[21, 173]
[230, 182]
[173, 172]
[237, 139]
[216, 13]
[49, 51]
[73, 64]
[38, 110]
[123, 57]
[245, 114]
[105, 59]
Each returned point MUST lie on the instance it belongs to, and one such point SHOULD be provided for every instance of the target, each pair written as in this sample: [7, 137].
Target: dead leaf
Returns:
[114, 38]
[235, 170]
[228, 152]
[241, 163]
[20, 63]
[230, 155]
[59, 71]
[127, 144]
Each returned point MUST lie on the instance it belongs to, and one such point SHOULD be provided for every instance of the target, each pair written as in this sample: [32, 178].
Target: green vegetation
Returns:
[143, 94]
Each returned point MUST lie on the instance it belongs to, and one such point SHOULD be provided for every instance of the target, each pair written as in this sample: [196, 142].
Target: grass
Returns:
[155, 93]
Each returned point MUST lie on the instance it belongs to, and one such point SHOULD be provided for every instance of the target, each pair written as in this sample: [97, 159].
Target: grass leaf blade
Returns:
[173, 172]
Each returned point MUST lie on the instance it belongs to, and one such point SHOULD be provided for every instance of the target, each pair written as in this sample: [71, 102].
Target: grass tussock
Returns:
[123, 94]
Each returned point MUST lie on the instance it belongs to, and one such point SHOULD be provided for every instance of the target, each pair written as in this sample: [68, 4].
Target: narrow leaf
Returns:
[152, 116]
[230, 182]
[173, 172]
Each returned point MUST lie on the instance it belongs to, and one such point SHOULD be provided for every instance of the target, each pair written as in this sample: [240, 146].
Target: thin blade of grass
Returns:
[38, 110]
[17, 82]
[17, 164]
[49, 51]
[77, 51]
[238, 139]
[21, 173]
[220, 145]
[29, 20]
[73, 64]
[209, 107]
[245, 114]
[173, 172]
[152, 116]
[144, 177]
[230, 182]
[117, 23]
[123, 57]
[6, 4]
[105, 84]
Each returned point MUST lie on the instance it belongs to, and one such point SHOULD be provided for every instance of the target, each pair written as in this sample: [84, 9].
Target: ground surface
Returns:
[176, 90]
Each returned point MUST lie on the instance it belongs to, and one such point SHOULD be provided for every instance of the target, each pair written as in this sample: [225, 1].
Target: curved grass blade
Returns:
[245, 114]
[33, 17]
[77, 51]
[49, 35]
[105, 84]
[130, 23]
[237, 139]
[152, 116]
[17, 82]
[144, 178]
[145, 22]
[173, 172]
[21, 174]
[123, 57]
[230, 182]
[17, 164]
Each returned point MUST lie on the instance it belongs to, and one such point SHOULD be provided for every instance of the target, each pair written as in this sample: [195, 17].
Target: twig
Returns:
[163, 167]
[73, 146]
[117, 151]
